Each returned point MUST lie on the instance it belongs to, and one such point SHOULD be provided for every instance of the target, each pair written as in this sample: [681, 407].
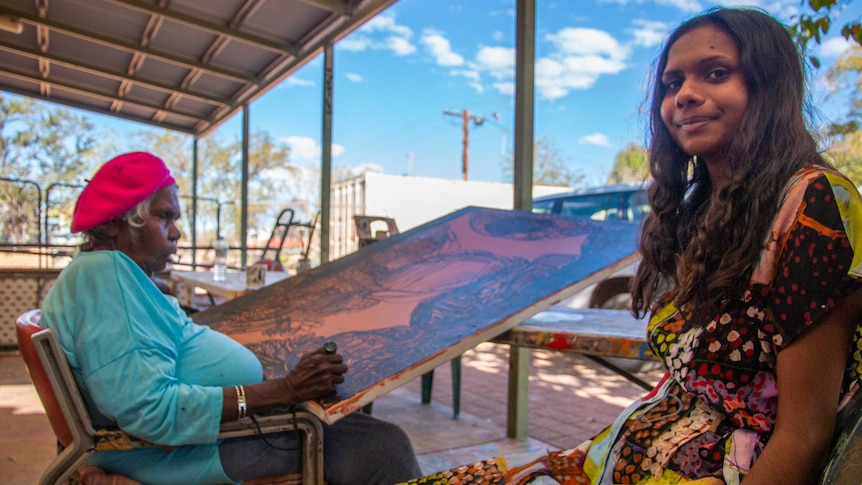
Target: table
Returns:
[595, 333]
[591, 331]
[234, 285]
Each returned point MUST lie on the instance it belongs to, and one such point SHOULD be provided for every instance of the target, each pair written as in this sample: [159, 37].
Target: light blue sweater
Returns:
[143, 365]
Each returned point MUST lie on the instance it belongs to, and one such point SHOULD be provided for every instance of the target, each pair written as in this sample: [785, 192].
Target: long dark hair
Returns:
[702, 246]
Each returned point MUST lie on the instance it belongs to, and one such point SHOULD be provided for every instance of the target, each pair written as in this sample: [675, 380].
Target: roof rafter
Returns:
[93, 93]
[335, 6]
[117, 76]
[173, 58]
[128, 47]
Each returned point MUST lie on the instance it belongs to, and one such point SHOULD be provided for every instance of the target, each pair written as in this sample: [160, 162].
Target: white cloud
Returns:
[474, 78]
[579, 57]
[684, 5]
[505, 88]
[303, 148]
[499, 62]
[351, 76]
[355, 43]
[472, 75]
[598, 139]
[299, 82]
[396, 37]
[386, 22]
[440, 47]
[833, 47]
[581, 41]
[690, 6]
[400, 46]
[648, 33]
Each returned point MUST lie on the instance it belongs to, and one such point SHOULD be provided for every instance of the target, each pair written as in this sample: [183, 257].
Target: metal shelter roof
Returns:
[188, 65]
[184, 65]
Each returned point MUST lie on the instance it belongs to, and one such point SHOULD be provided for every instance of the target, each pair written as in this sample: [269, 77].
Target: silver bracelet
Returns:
[241, 408]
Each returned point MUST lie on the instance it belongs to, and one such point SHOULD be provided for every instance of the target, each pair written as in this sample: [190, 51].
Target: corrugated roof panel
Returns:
[186, 67]
[288, 20]
[101, 18]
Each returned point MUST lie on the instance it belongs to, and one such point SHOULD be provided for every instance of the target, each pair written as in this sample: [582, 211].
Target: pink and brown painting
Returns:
[406, 304]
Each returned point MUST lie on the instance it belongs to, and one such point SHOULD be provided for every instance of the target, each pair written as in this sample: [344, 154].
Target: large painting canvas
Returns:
[406, 304]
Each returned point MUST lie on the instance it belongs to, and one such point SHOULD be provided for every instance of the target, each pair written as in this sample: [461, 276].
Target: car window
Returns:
[544, 207]
[634, 205]
[597, 206]
[630, 206]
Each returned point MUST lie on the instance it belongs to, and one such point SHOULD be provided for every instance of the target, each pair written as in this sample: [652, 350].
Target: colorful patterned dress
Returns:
[713, 412]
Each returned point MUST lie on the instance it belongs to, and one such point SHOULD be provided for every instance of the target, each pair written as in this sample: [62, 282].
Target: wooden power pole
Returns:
[465, 140]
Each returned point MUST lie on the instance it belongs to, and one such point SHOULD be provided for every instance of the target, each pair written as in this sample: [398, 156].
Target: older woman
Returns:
[145, 367]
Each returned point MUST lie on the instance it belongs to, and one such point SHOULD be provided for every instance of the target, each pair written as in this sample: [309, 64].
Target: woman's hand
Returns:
[316, 375]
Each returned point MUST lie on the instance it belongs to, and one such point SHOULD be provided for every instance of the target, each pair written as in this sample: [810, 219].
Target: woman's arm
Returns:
[314, 376]
[810, 373]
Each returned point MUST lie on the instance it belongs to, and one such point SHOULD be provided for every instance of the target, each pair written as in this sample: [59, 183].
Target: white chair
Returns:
[51, 375]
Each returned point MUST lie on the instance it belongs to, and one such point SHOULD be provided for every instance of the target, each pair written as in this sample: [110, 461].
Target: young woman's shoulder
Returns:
[819, 192]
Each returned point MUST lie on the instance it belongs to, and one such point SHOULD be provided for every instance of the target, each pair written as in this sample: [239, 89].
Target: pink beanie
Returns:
[119, 186]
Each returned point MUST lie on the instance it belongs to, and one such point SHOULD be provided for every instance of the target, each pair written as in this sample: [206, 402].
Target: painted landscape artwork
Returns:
[404, 305]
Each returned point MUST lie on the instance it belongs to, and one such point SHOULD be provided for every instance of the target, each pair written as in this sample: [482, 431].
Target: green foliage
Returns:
[845, 150]
[40, 146]
[843, 75]
[846, 155]
[219, 183]
[550, 166]
[630, 165]
[51, 151]
[814, 25]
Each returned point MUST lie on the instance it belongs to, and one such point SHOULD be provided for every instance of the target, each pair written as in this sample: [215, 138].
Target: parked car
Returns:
[625, 202]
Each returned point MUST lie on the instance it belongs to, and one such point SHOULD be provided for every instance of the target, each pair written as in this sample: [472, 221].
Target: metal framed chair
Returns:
[845, 457]
[57, 389]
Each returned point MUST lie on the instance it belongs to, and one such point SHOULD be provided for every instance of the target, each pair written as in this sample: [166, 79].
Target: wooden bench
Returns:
[594, 333]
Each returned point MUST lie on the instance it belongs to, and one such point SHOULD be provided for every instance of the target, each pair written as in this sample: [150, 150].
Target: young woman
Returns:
[750, 268]
[752, 260]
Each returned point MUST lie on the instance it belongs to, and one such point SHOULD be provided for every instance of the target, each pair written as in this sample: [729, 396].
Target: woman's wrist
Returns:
[268, 394]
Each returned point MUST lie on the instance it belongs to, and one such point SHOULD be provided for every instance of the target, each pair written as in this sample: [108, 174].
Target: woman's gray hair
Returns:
[136, 217]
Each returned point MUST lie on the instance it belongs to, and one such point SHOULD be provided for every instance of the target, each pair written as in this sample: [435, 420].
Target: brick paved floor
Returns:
[571, 399]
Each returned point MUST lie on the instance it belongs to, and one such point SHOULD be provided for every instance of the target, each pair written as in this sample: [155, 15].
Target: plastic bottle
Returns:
[220, 261]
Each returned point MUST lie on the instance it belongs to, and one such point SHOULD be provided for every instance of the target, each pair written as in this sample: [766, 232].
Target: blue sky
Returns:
[397, 76]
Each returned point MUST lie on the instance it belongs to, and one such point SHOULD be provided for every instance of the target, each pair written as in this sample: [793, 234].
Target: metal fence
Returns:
[34, 228]
[36, 221]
